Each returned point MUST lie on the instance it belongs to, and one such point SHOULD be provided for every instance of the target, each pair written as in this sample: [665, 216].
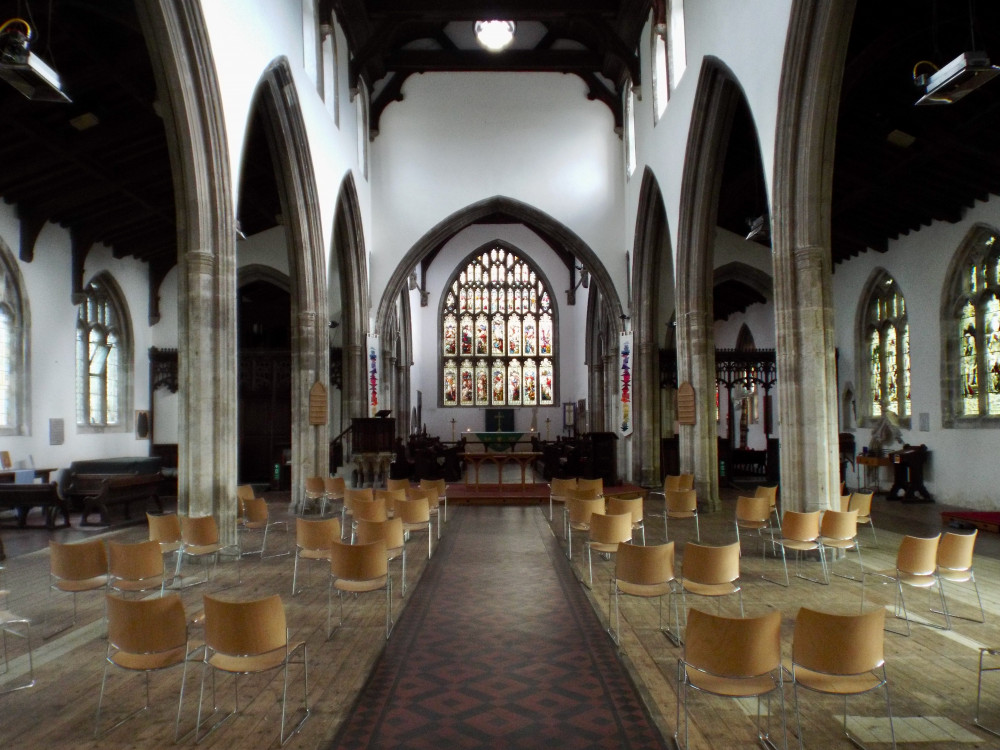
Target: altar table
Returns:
[475, 460]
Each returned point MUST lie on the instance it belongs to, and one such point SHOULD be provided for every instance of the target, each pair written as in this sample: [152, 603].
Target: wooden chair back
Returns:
[136, 561]
[736, 647]
[862, 503]
[838, 644]
[373, 510]
[838, 524]
[591, 484]
[147, 626]
[315, 487]
[334, 487]
[560, 487]
[581, 509]
[390, 497]
[390, 531]
[416, 511]
[845, 502]
[674, 482]
[583, 493]
[199, 531]
[918, 555]
[245, 628]
[771, 493]
[354, 495]
[631, 504]
[421, 493]
[359, 562]
[164, 528]
[645, 566]
[245, 492]
[955, 550]
[711, 565]
[753, 510]
[78, 561]
[434, 486]
[398, 484]
[255, 512]
[800, 526]
[610, 529]
[316, 534]
[681, 502]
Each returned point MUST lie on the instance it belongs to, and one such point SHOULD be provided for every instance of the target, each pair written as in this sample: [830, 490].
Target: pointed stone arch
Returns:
[653, 255]
[181, 57]
[808, 98]
[285, 133]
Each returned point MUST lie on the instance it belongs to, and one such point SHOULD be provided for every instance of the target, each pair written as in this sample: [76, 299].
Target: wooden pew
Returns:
[21, 498]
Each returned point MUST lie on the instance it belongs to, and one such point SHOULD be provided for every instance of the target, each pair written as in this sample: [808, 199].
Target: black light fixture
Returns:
[759, 228]
[954, 81]
[23, 70]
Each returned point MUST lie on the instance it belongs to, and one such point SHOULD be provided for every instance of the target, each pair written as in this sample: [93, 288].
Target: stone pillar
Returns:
[354, 385]
[699, 445]
[310, 362]
[646, 459]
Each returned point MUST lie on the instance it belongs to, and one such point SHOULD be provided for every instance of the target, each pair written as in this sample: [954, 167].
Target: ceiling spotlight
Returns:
[954, 81]
[26, 72]
[494, 35]
[759, 228]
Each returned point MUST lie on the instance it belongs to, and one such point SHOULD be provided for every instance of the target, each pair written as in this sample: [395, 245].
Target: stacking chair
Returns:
[631, 503]
[711, 571]
[144, 635]
[244, 492]
[580, 505]
[397, 484]
[862, 503]
[800, 532]
[732, 657]
[135, 567]
[753, 514]
[591, 484]
[389, 497]
[983, 654]
[439, 486]
[416, 516]
[954, 565]
[916, 566]
[391, 532]
[313, 539]
[75, 568]
[355, 569]
[839, 531]
[369, 510]
[680, 504]
[200, 539]
[433, 503]
[315, 491]
[558, 489]
[839, 655]
[645, 572]
[771, 493]
[333, 491]
[353, 495]
[165, 529]
[250, 637]
[606, 533]
[678, 482]
[20, 627]
[257, 517]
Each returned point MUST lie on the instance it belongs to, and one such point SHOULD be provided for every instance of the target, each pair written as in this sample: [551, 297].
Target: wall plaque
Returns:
[317, 404]
[685, 404]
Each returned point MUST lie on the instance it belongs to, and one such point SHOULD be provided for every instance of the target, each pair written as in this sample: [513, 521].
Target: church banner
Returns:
[625, 384]
[374, 374]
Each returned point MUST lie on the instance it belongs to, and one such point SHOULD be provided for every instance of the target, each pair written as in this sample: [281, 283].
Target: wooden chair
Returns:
[680, 505]
[753, 514]
[433, 503]
[353, 495]
[606, 533]
[135, 568]
[800, 532]
[391, 532]
[441, 488]
[313, 539]
[631, 503]
[333, 490]
[580, 505]
[839, 655]
[591, 484]
[675, 482]
[165, 529]
[398, 484]
[371, 510]
[558, 491]
[838, 530]
[315, 493]
[75, 568]
[416, 516]
[250, 637]
[389, 497]
[862, 503]
[771, 493]
[954, 565]
[645, 572]
[19, 627]
[200, 540]
[145, 635]
[711, 571]
[355, 569]
[916, 567]
[257, 517]
[732, 657]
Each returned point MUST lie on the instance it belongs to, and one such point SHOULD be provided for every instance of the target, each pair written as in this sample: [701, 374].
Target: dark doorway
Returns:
[265, 395]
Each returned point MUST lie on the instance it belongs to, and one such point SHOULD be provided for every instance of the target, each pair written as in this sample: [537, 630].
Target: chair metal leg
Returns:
[949, 613]
[8, 627]
[983, 653]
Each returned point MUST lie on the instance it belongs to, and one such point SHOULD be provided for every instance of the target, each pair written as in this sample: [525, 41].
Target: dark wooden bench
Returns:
[21, 498]
[97, 492]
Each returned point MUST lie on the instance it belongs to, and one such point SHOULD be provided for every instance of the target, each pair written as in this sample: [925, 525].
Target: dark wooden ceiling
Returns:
[898, 167]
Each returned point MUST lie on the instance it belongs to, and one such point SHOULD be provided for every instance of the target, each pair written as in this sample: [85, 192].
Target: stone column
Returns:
[699, 445]
[310, 363]
[646, 460]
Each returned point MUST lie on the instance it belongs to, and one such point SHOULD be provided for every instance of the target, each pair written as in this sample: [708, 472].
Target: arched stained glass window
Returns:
[498, 333]
[976, 330]
[887, 350]
[102, 358]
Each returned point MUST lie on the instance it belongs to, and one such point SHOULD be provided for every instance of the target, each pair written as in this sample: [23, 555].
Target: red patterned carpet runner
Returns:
[499, 648]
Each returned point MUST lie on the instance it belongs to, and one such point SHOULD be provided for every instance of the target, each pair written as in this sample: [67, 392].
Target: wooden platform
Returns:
[966, 519]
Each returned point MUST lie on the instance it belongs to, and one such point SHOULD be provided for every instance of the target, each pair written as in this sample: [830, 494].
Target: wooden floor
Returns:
[932, 674]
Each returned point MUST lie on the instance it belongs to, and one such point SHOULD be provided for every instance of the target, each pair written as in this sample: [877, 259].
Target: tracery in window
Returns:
[13, 348]
[497, 333]
[887, 350]
[976, 329]
[101, 358]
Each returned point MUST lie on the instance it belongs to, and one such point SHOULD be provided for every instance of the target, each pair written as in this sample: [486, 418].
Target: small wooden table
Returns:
[872, 465]
[523, 458]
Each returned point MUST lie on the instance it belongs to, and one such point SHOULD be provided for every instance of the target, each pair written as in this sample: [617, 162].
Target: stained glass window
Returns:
[99, 359]
[887, 350]
[13, 347]
[498, 310]
[977, 331]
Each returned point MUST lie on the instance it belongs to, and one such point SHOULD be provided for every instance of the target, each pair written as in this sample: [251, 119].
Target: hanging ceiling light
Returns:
[24, 70]
[494, 35]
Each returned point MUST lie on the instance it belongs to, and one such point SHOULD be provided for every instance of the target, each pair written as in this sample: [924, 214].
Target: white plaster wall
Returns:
[961, 468]
[426, 333]
[457, 139]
